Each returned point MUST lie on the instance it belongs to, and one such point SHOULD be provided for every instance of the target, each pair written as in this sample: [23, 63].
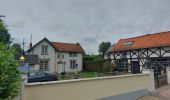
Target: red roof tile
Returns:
[145, 41]
[68, 47]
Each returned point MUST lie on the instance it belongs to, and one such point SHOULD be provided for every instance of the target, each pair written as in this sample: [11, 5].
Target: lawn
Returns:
[88, 74]
[80, 74]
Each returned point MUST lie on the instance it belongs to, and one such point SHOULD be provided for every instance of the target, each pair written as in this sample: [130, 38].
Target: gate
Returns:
[160, 76]
[160, 80]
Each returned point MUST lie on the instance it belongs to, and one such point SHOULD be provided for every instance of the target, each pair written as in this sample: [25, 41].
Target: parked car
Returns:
[41, 77]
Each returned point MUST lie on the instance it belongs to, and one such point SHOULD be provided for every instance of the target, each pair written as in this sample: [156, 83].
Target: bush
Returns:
[94, 64]
[107, 66]
[9, 75]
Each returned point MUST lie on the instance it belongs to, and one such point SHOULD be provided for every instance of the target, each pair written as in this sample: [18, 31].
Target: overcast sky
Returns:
[88, 22]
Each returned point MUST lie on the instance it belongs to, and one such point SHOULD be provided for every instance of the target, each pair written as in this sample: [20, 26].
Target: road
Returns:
[162, 93]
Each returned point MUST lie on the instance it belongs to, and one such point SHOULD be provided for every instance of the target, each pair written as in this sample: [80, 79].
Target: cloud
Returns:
[86, 21]
[19, 24]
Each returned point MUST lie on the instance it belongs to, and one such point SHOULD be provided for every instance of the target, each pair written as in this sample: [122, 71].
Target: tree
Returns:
[18, 49]
[5, 37]
[9, 75]
[103, 47]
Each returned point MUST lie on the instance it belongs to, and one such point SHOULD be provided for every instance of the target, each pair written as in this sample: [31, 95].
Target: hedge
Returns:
[93, 66]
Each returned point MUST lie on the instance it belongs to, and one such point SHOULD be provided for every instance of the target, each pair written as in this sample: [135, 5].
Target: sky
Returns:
[88, 22]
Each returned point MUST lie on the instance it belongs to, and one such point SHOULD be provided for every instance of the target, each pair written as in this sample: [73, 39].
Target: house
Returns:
[151, 51]
[58, 57]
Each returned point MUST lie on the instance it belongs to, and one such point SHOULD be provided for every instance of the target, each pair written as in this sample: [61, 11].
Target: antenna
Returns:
[23, 43]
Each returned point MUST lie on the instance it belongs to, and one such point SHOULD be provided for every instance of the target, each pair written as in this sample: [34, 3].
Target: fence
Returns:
[67, 76]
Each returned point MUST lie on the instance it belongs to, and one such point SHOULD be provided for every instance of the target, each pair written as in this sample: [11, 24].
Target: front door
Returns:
[135, 67]
[60, 65]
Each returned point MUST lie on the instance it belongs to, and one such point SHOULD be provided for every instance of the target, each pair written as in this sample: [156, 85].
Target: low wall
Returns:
[86, 89]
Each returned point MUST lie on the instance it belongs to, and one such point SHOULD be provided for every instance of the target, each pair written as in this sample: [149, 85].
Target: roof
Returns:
[30, 58]
[63, 47]
[68, 47]
[146, 41]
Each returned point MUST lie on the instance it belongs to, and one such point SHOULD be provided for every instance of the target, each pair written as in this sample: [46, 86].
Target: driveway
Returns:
[160, 94]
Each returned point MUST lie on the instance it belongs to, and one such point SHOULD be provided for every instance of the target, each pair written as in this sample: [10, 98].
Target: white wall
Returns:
[86, 89]
[50, 56]
[67, 59]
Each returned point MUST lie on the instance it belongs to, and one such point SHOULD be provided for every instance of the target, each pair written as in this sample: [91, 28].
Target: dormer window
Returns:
[127, 43]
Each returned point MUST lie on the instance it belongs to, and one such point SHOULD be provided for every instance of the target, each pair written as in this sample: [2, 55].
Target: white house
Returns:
[57, 57]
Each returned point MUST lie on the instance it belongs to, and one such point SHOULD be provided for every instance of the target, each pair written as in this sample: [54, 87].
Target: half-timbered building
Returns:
[138, 53]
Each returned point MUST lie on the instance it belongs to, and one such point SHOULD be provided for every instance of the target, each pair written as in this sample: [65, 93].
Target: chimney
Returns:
[30, 46]
[77, 43]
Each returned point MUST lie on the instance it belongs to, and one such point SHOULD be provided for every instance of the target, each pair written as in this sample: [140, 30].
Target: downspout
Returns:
[55, 68]
[55, 63]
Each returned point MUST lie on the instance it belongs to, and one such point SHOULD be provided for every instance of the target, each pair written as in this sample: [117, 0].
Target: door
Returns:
[135, 67]
[160, 75]
[61, 67]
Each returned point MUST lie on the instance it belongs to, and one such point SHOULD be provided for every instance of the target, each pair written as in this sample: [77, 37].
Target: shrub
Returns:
[9, 75]
[107, 66]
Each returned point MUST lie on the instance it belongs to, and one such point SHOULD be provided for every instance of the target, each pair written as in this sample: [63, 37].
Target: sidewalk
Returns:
[162, 93]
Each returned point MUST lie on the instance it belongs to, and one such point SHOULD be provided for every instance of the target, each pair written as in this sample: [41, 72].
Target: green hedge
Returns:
[96, 63]
[93, 66]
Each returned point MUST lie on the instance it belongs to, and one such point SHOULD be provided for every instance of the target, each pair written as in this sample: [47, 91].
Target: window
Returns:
[73, 54]
[127, 43]
[44, 50]
[60, 55]
[44, 65]
[72, 64]
[124, 55]
[63, 56]
[122, 65]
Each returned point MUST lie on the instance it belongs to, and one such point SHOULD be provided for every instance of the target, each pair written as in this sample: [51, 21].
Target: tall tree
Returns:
[5, 37]
[103, 47]
[18, 49]
[9, 75]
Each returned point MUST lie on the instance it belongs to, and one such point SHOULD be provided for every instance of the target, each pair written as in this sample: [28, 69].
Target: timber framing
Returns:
[141, 55]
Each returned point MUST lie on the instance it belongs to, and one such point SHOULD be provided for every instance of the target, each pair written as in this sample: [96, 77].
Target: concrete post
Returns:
[23, 81]
[151, 77]
[168, 74]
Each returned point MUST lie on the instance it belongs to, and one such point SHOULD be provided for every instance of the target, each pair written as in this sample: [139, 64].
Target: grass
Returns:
[81, 75]
[88, 74]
